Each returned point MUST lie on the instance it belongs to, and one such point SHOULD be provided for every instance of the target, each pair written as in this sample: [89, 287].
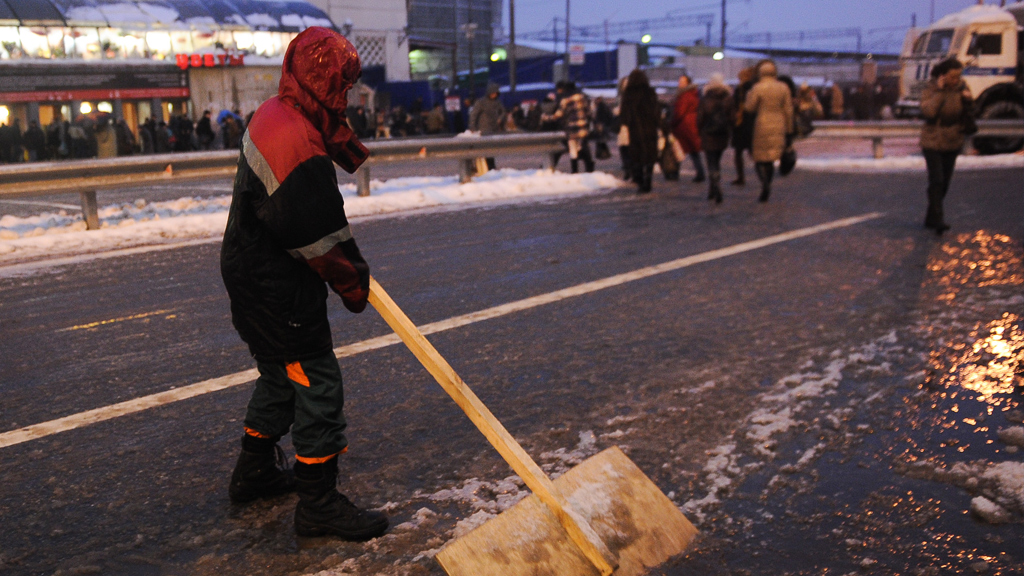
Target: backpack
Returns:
[717, 123]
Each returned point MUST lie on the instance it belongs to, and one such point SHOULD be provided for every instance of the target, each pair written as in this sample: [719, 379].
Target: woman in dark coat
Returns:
[715, 121]
[944, 102]
[641, 114]
[743, 131]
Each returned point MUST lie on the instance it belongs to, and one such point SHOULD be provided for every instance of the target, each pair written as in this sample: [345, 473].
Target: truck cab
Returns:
[988, 41]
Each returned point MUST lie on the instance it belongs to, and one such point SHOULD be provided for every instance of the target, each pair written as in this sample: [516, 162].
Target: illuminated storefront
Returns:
[141, 58]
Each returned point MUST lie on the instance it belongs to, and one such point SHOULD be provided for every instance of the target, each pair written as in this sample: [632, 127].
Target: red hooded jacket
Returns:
[287, 233]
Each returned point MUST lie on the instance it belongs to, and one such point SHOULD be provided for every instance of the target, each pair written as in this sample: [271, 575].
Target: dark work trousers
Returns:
[306, 397]
[940, 170]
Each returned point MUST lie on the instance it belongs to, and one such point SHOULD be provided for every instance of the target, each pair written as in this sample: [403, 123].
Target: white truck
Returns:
[989, 41]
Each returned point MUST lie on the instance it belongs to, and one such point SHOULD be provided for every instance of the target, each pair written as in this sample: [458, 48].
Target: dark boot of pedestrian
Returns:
[715, 186]
[934, 219]
[698, 165]
[740, 180]
[261, 471]
[647, 182]
[765, 171]
[323, 511]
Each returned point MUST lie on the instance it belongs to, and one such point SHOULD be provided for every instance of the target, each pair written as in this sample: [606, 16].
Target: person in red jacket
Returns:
[684, 123]
[287, 240]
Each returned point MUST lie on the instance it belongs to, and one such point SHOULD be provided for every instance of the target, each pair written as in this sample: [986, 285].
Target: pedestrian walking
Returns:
[945, 104]
[287, 235]
[106, 138]
[640, 113]
[772, 103]
[204, 131]
[487, 115]
[35, 142]
[576, 117]
[715, 117]
[743, 128]
[684, 123]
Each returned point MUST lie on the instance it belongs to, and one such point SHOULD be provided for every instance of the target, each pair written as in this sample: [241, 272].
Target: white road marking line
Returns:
[94, 416]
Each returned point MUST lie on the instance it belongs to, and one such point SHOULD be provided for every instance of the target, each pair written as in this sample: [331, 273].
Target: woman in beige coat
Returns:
[772, 103]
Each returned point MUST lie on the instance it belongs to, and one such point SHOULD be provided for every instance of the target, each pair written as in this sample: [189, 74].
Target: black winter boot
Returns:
[261, 471]
[715, 186]
[323, 511]
[765, 171]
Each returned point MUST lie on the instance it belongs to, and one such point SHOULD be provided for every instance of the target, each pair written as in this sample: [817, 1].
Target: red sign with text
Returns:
[186, 61]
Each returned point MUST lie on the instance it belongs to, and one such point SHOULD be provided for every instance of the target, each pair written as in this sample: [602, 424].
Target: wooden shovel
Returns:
[601, 517]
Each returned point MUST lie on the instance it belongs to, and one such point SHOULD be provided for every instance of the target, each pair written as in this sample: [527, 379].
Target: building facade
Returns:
[141, 59]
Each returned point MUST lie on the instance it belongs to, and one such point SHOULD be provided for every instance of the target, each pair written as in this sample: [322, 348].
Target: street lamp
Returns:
[646, 38]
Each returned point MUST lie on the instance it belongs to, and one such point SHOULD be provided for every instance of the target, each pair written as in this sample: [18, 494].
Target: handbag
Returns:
[788, 161]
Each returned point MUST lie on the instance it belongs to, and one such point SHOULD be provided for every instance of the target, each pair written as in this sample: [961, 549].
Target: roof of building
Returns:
[270, 15]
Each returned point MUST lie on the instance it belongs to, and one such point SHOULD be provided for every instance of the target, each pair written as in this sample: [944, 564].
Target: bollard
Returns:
[466, 170]
[90, 212]
[363, 180]
[876, 147]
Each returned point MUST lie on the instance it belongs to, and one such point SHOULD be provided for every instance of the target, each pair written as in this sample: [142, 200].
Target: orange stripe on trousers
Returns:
[296, 374]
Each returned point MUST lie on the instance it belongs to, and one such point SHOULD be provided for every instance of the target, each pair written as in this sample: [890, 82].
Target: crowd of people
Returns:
[101, 135]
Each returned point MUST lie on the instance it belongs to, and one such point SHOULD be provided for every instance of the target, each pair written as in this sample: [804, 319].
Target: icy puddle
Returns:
[902, 456]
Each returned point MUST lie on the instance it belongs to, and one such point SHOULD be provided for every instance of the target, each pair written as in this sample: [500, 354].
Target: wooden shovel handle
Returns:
[536, 480]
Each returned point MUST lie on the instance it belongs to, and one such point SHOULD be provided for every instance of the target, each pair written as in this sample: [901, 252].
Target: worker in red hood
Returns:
[287, 240]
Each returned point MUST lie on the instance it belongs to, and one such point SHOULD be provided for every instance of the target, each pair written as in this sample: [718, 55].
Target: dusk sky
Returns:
[876, 18]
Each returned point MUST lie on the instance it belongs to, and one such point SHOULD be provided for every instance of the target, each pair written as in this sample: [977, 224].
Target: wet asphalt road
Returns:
[671, 368]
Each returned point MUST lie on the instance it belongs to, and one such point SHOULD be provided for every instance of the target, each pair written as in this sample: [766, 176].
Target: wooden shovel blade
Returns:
[637, 522]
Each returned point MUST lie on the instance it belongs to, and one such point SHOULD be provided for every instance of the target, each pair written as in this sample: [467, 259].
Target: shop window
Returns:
[34, 42]
[105, 107]
[266, 43]
[5, 114]
[225, 41]
[10, 42]
[204, 41]
[85, 108]
[87, 43]
[159, 44]
[60, 42]
[243, 40]
[181, 42]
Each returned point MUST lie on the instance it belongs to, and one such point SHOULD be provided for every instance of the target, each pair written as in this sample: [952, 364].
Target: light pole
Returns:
[567, 74]
[723, 25]
[512, 46]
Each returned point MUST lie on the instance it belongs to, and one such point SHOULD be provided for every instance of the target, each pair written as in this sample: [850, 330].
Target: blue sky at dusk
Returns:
[881, 21]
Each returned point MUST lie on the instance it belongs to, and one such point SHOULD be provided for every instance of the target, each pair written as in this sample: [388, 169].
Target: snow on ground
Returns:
[62, 233]
[906, 163]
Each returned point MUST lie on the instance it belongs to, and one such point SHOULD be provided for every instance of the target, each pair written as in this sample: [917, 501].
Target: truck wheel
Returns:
[1002, 110]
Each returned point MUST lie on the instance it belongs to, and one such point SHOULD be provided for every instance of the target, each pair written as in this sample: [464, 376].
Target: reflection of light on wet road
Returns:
[991, 365]
[990, 362]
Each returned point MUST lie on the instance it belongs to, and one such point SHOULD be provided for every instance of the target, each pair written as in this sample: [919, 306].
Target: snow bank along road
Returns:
[806, 402]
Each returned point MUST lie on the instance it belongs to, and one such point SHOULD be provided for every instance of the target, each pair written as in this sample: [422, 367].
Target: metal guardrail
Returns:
[85, 177]
[878, 130]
